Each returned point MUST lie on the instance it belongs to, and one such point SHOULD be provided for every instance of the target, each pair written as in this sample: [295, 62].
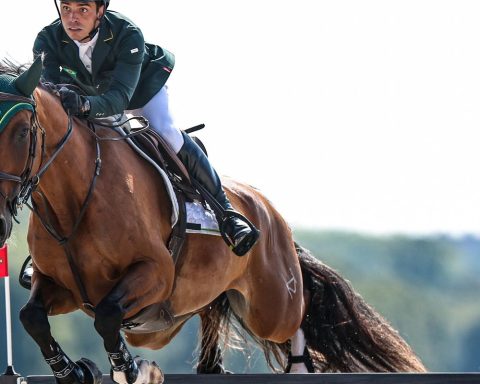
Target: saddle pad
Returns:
[199, 219]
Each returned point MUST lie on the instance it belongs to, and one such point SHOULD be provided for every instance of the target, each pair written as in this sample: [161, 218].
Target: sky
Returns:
[348, 115]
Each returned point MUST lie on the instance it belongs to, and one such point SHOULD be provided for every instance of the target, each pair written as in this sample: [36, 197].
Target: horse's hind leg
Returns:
[34, 317]
[299, 360]
[140, 287]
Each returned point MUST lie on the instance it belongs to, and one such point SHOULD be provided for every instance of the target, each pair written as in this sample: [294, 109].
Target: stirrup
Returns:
[26, 272]
[244, 244]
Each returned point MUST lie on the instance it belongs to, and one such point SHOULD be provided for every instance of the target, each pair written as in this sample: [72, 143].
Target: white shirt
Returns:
[85, 51]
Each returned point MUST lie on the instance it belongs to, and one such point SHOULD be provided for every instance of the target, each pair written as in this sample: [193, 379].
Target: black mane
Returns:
[9, 66]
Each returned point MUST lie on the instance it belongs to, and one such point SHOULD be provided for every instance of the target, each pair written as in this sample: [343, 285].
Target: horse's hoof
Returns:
[148, 373]
[90, 370]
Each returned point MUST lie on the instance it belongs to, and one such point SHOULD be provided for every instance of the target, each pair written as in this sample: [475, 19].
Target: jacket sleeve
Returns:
[51, 66]
[125, 76]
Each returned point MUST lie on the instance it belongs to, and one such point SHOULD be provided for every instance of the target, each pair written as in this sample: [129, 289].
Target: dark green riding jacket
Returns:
[126, 71]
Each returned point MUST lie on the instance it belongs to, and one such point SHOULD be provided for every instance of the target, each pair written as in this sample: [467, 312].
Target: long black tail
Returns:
[345, 334]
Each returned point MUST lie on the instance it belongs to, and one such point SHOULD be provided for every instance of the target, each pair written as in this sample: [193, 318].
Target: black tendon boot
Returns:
[239, 235]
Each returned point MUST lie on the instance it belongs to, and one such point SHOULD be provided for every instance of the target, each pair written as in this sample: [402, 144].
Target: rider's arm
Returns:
[124, 78]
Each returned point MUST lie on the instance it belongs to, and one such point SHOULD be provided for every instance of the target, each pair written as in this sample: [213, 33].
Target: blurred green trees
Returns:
[427, 287]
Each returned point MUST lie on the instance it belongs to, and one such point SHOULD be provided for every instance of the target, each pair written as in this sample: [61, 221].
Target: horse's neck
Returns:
[66, 181]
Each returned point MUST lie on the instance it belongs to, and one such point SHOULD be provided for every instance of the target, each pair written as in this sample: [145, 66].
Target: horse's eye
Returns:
[24, 131]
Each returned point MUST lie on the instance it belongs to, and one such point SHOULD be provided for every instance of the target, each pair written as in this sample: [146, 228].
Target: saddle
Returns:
[153, 145]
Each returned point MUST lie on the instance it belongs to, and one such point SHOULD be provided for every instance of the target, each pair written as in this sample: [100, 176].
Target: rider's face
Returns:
[79, 18]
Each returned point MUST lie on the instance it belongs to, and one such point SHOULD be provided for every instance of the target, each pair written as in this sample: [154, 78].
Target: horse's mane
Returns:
[9, 66]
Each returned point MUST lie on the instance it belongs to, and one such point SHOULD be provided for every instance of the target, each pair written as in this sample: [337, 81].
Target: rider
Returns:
[105, 54]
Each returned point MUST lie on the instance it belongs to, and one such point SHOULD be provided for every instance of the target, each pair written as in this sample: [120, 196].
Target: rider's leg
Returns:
[157, 111]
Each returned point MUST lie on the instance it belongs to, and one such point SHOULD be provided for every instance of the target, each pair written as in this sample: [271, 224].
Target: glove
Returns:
[74, 103]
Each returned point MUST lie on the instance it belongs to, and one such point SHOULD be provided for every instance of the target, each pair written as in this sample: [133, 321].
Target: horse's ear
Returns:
[28, 80]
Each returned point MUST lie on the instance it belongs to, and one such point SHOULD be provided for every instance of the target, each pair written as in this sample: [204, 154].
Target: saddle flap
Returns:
[158, 149]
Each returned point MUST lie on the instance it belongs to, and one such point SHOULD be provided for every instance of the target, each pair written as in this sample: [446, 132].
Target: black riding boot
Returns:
[241, 236]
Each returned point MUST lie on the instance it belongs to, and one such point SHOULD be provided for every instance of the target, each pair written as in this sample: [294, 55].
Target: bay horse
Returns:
[302, 313]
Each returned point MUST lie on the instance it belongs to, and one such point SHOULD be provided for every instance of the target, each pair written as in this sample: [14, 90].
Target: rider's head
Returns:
[81, 18]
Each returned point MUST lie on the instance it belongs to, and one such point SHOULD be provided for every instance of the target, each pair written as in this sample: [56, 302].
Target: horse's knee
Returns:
[34, 319]
[108, 317]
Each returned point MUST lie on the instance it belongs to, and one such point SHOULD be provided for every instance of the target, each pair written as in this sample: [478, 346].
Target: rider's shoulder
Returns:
[119, 21]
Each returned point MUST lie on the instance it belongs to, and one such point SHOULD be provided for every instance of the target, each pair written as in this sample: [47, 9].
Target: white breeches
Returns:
[157, 111]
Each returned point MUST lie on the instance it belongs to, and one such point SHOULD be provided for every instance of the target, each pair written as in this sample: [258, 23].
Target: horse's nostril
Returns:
[3, 229]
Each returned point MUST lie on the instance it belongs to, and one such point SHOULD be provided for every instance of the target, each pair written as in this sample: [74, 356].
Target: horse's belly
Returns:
[154, 318]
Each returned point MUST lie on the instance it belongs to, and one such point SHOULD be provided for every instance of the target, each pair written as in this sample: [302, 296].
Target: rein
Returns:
[63, 240]
[28, 183]
[47, 222]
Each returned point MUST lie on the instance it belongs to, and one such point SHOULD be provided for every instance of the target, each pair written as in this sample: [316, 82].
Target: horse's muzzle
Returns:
[5, 228]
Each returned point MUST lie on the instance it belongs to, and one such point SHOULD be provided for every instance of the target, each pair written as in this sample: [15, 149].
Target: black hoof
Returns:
[90, 370]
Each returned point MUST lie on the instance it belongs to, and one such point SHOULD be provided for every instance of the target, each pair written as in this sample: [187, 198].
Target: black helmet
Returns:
[104, 2]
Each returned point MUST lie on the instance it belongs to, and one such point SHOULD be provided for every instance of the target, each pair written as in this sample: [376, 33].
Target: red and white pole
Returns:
[8, 322]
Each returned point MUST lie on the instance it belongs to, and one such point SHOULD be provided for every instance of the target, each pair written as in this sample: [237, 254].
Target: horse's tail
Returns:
[345, 334]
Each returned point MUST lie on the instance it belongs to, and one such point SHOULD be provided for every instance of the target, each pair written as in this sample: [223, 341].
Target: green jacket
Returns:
[126, 71]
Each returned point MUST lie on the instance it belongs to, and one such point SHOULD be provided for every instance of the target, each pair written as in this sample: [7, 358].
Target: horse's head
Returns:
[17, 122]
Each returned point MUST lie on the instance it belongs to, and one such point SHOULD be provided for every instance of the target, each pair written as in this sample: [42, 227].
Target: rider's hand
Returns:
[74, 103]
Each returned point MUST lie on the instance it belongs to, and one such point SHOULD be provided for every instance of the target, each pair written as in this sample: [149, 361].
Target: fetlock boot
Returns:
[239, 235]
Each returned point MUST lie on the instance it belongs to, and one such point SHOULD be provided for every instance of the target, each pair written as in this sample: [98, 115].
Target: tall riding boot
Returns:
[240, 235]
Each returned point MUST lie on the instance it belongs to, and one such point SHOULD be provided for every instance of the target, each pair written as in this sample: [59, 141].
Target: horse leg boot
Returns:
[241, 236]
[35, 321]
[299, 360]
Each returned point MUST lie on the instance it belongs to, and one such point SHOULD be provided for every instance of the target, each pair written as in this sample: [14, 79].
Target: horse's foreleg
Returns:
[34, 317]
[140, 287]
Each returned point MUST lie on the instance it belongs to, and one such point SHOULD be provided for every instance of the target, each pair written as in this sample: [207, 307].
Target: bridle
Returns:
[26, 183]
[29, 183]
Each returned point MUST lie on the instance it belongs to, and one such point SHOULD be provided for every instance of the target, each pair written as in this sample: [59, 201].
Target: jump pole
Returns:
[10, 371]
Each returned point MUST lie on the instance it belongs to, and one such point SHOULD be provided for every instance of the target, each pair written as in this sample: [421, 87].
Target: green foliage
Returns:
[427, 287]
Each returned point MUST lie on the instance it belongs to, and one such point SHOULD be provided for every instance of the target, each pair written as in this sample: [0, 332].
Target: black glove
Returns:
[74, 103]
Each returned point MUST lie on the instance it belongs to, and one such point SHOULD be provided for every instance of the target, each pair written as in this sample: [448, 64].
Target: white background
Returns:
[359, 115]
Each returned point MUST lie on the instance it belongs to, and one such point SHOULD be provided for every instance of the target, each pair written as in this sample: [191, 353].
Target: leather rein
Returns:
[29, 183]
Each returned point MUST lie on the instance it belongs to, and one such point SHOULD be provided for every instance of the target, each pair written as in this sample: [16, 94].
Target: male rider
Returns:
[104, 53]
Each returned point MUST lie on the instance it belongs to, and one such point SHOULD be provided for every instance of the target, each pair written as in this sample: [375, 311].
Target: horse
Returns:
[98, 239]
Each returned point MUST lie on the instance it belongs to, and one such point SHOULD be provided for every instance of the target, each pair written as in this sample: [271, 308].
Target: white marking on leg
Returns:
[148, 373]
[297, 347]
[119, 377]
